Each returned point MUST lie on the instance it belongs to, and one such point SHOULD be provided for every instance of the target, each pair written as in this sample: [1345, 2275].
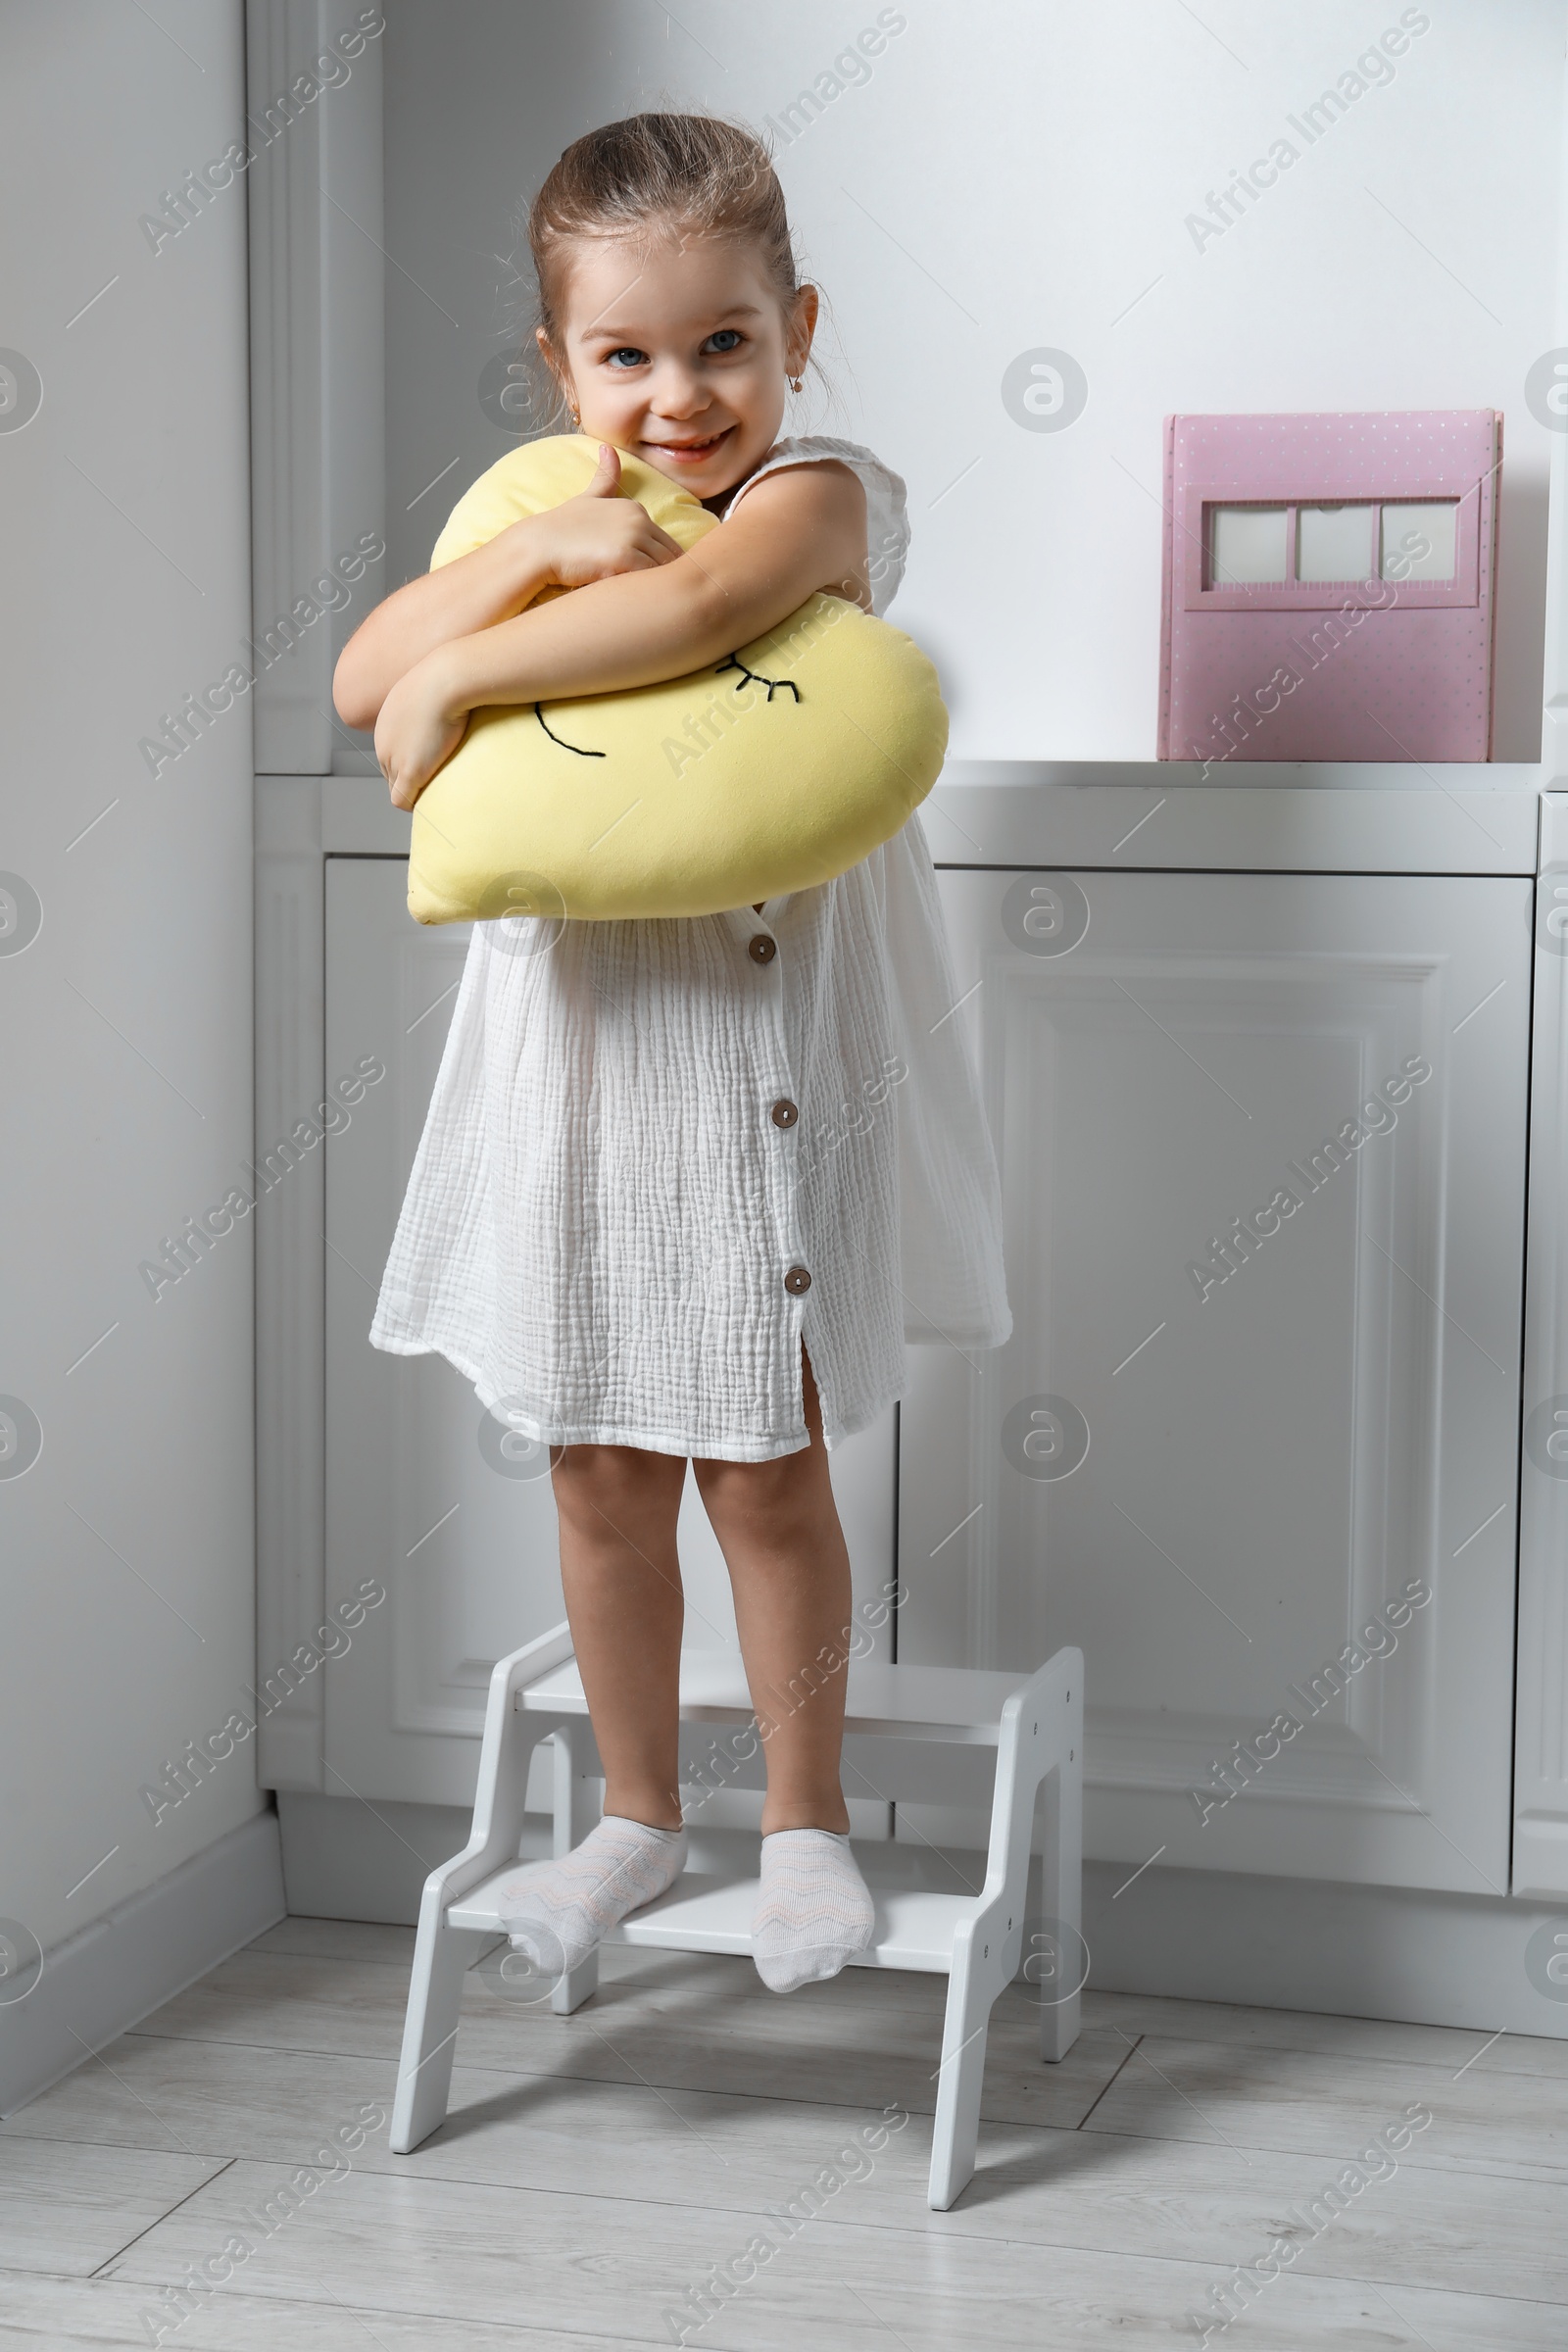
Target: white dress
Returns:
[613, 1226]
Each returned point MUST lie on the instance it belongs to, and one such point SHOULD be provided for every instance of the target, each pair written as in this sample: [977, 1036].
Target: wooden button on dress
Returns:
[797, 1280]
[784, 1113]
[761, 948]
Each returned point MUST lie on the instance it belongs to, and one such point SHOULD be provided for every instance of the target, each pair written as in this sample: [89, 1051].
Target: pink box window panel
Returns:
[1329, 586]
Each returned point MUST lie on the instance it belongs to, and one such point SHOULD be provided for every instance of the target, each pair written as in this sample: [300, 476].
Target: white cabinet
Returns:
[1213, 1477]
[425, 1493]
[1278, 1444]
[1283, 1435]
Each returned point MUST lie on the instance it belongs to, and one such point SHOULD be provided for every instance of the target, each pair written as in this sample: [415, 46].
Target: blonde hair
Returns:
[690, 172]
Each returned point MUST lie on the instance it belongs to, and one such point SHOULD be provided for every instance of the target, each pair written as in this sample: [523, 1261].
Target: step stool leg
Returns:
[958, 2084]
[1061, 1887]
[574, 1816]
[576, 1986]
[442, 1957]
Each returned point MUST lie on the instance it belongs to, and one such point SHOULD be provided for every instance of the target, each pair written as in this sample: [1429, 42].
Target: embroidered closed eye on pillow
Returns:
[772, 770]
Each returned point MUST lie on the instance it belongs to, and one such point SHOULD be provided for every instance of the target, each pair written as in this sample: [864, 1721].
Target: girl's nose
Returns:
[677, 394]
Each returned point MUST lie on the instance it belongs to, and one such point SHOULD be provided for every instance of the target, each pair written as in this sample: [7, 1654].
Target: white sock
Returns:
[813, 1911]
[558, 1911]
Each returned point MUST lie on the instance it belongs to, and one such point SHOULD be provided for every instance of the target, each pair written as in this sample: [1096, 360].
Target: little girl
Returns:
[686, 1187]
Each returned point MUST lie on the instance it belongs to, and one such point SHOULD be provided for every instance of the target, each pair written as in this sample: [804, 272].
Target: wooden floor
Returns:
[597, 2170]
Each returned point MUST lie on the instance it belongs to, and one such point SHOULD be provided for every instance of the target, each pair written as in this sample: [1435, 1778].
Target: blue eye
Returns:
[626, 357]
[727, 338]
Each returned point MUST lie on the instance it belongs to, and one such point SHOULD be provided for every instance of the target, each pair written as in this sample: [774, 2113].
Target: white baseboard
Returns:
[347, 1860]
[1400, 1952]
[139, 1955]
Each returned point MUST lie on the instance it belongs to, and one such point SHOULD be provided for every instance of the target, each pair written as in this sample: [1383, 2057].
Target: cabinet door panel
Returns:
[1212, 1456]
[455, 1515]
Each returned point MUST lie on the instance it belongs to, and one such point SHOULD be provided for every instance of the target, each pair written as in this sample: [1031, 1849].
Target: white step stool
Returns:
[917, 1734]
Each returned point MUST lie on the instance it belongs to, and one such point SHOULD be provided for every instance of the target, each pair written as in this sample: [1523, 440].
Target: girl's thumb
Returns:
[607, 475]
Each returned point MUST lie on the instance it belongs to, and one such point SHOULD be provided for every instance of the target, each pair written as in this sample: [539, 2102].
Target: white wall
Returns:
[1016, 175]
[127, 1023]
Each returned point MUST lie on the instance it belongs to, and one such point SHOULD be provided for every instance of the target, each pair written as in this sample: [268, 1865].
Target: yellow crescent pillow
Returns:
[776, 768]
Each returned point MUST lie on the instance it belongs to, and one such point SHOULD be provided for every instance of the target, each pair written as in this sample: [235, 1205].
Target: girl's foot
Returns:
[558, 1911]
[814, 1912]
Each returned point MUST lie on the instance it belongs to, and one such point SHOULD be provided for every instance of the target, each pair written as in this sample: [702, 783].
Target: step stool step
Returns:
[953, 1703]
[714, 1914]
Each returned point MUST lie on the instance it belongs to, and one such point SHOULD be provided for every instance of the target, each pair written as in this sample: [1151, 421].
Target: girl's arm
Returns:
[589, 537]
[497, 580]
[801, 529]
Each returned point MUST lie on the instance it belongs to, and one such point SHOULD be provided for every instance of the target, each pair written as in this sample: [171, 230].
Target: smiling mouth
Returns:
[690, 452]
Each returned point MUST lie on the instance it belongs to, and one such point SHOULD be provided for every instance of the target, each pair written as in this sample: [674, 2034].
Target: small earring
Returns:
[796, 382]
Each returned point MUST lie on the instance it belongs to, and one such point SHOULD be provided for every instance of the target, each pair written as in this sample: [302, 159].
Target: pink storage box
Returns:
[1329, 586]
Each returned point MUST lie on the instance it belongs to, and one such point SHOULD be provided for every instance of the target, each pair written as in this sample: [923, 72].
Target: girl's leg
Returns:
[779, 1530]
[617, 1507]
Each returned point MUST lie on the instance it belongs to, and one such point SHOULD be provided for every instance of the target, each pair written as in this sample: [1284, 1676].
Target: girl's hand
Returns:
[418, 731]
[599, 533]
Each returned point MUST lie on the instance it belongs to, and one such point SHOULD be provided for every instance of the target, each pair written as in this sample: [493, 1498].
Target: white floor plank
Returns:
[339, 1939]
[207, 2099]
[1319, 2103]
[482, 2254]
[1305, 2030]
[57, 2315]
[69, 2209]
[1066, 2311]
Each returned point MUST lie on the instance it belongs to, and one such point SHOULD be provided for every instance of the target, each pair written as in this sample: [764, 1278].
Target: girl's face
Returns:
[678, 352]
